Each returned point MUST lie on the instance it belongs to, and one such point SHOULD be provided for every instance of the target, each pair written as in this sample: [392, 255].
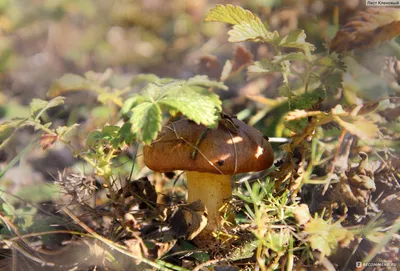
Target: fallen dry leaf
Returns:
[367, 29]
[391, 204]
[189, 219]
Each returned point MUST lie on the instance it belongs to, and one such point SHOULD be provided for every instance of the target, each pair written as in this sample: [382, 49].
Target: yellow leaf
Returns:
[360, 127]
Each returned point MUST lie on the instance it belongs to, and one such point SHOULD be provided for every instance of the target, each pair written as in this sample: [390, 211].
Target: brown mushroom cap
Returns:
[173, 149]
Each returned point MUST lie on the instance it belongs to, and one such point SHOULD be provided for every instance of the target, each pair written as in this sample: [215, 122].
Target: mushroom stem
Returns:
[212, 190]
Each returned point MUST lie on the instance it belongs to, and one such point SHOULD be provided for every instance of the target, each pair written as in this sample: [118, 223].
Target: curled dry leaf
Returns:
[47, 141]
[356, 186]
[367, 29]
[137, 247]
[391, 204]
[189, 219]
[241, 58]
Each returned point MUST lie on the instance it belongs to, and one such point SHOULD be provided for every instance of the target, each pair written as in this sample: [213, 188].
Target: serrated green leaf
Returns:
[296, 39]
[230, 14]
[306, 100]
[130, 103]
[263, 67]
[63, 130]
[114, 97]
[197, 107]
[146, 121]
[332, 61]
[333, 82]
[250, 31]
[126, 134]
[38, 106]
[68, 82]
[94, 139]
[7, 209]
[154, 92]
[191, 97]
[244, 251]
[246, 25]
[202, 80]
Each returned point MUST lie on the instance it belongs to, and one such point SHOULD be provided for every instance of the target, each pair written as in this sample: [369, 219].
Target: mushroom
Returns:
[210, 157]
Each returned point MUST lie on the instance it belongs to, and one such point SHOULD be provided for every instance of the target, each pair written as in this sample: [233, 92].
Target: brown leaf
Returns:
[365, 108]
[164, 248]
[209, 65]
[367, 29]
[189, 219]
[356, 186]
[47, 141]
[241, 59]
[137, 247]
[391, 204]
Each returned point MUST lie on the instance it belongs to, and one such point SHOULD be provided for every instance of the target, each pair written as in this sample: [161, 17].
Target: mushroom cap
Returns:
[220, 151]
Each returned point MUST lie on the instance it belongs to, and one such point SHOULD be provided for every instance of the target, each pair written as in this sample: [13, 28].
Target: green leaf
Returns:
[332, 82]
[145, 78]
[94, 139]
[231, 15]
[126, 134]
[192, 98]
[197, 107]
[109, 135]
[250, 31]
[263, 67]
[331, 61]
[246, 25]
[146, 121]
[7, 209]
[202, 80]
[25, 217]
[69, 82]
[63, 130]
[296, 39]
[244, 251]
[285, 91]
[306, 100]
[150, 78]
[130, 103]
[38, 107]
